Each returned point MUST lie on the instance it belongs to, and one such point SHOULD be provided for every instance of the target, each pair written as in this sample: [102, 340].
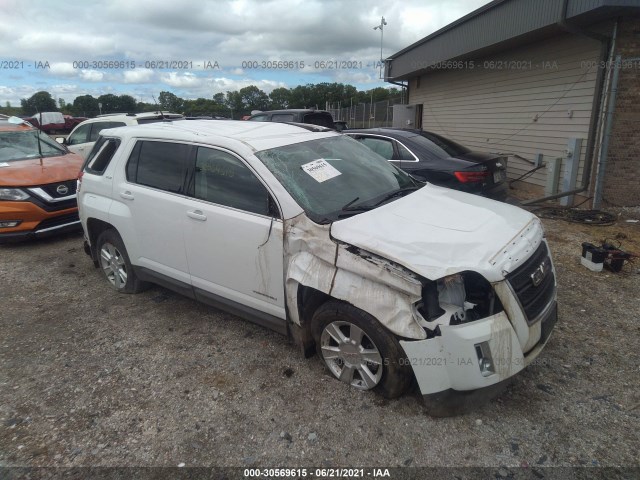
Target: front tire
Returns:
[115, 264]
[357, 350]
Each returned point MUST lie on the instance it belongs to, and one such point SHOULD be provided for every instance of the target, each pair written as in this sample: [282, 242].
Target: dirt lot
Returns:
[92, 377]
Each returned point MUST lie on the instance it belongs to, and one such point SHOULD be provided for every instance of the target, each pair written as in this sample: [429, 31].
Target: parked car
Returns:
[48, 122]
[71, 122]
[37, 183]
[308, 232]
[340, 125]
[82, 138]
[433, 158]
[296, 115]
[54, 122]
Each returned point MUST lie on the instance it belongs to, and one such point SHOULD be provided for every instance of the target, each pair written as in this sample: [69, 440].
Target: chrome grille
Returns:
[534, 283]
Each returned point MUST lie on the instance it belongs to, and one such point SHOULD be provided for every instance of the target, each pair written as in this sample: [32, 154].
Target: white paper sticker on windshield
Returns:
[4, 164]
[320, 170]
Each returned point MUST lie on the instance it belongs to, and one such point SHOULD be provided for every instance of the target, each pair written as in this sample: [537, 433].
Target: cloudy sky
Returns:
[206, 47]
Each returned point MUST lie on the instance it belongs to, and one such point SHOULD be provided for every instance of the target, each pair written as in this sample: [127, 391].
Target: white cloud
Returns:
[139, 75]
[91, 75]
[177, 79]
[227, 31]
[63, 69]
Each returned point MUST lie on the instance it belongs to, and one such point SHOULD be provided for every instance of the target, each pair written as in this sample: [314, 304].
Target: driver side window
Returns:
[223, 179]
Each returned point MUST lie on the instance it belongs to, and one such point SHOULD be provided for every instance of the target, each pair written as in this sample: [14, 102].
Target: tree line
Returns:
[232, 104]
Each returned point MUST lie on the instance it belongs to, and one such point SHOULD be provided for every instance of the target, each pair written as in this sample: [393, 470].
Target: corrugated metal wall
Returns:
[497, 107]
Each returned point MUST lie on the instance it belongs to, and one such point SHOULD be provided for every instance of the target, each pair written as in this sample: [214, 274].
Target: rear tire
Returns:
[114, 262]
[359, 351]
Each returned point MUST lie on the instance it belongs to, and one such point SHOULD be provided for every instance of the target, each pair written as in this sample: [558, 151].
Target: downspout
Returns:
[604, 149]
[402, 92]
[606, 54]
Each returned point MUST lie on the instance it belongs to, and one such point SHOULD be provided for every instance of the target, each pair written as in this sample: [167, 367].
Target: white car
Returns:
[310, 233]
[82, 138]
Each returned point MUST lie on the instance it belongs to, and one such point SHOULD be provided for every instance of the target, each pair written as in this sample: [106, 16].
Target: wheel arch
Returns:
[94, 228]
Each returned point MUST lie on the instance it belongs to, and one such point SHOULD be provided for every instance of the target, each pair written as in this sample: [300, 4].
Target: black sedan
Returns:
[433, 158]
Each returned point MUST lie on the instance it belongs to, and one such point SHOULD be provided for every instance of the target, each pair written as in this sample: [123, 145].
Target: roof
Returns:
[499, 25]
[256, 135]
[400, 132]
[142, 115]
[13, 127]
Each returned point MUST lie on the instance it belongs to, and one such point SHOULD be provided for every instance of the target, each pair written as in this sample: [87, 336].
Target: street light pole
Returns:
[383, 22]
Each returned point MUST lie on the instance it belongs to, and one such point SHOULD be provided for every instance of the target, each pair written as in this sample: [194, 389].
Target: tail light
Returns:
[470, 176]
[79, 181]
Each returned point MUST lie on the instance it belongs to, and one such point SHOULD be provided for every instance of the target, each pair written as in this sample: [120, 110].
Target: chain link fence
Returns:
[365, 115]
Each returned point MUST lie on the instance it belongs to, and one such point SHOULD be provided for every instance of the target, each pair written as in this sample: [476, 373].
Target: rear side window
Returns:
[260, 118]
[99, 126]
[282, 117]
[223, 179]
[101, 155]
[404, 153]
[160, 165]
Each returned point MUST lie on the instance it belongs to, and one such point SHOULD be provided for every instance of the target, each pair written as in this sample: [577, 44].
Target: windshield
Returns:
[23, 145]
[334, 177]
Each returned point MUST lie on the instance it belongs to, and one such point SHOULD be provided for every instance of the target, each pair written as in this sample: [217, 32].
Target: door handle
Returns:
[197, 215]
[127, 195]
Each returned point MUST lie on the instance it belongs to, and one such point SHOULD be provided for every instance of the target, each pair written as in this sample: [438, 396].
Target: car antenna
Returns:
[38, 135]
[159, 109]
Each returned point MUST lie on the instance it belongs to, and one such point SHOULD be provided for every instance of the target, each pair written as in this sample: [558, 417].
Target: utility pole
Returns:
[383, 22]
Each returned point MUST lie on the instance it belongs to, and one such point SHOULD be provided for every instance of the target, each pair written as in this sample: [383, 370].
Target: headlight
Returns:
[12, 194]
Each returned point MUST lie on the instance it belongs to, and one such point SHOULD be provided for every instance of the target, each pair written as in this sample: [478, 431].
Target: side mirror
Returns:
[61, 140]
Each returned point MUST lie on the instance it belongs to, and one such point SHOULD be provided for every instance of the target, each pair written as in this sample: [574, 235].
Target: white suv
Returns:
[312, 234]
[82, 138]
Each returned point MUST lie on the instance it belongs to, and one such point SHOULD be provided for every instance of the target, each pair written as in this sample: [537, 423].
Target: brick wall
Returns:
[622, 175]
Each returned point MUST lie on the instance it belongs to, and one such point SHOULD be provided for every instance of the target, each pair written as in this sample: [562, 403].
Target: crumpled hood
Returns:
[438, 231]
[26, 173]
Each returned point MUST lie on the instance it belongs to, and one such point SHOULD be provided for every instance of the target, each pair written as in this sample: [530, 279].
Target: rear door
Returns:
[149, 204]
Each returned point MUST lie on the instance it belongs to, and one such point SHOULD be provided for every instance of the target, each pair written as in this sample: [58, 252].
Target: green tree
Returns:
[110, 103]
[38, 102]
[126, 103]
[170, 102]
[253, 98]
[234, 103]
[219, 98]
[279, 98]
[85, 106]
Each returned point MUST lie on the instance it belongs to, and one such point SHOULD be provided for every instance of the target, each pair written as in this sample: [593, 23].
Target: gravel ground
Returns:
[89, 377]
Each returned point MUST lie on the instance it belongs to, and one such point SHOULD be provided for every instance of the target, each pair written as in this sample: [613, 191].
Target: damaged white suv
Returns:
[312, 234]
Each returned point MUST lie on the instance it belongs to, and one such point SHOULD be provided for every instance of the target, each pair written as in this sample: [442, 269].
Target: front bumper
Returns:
[35, 222]
[449, 362]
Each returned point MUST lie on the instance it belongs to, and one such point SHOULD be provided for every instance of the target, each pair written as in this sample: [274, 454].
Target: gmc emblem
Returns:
[539, 273]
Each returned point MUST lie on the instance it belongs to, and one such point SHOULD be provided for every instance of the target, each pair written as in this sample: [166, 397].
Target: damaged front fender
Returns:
[379, 287]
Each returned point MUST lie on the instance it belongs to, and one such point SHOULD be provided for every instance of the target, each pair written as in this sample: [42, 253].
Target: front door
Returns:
[233, 235]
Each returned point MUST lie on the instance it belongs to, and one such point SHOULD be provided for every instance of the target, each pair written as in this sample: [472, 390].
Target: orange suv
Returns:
[37, 183]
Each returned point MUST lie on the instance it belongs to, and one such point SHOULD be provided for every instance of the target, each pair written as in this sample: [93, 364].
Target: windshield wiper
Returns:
[350, 207]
